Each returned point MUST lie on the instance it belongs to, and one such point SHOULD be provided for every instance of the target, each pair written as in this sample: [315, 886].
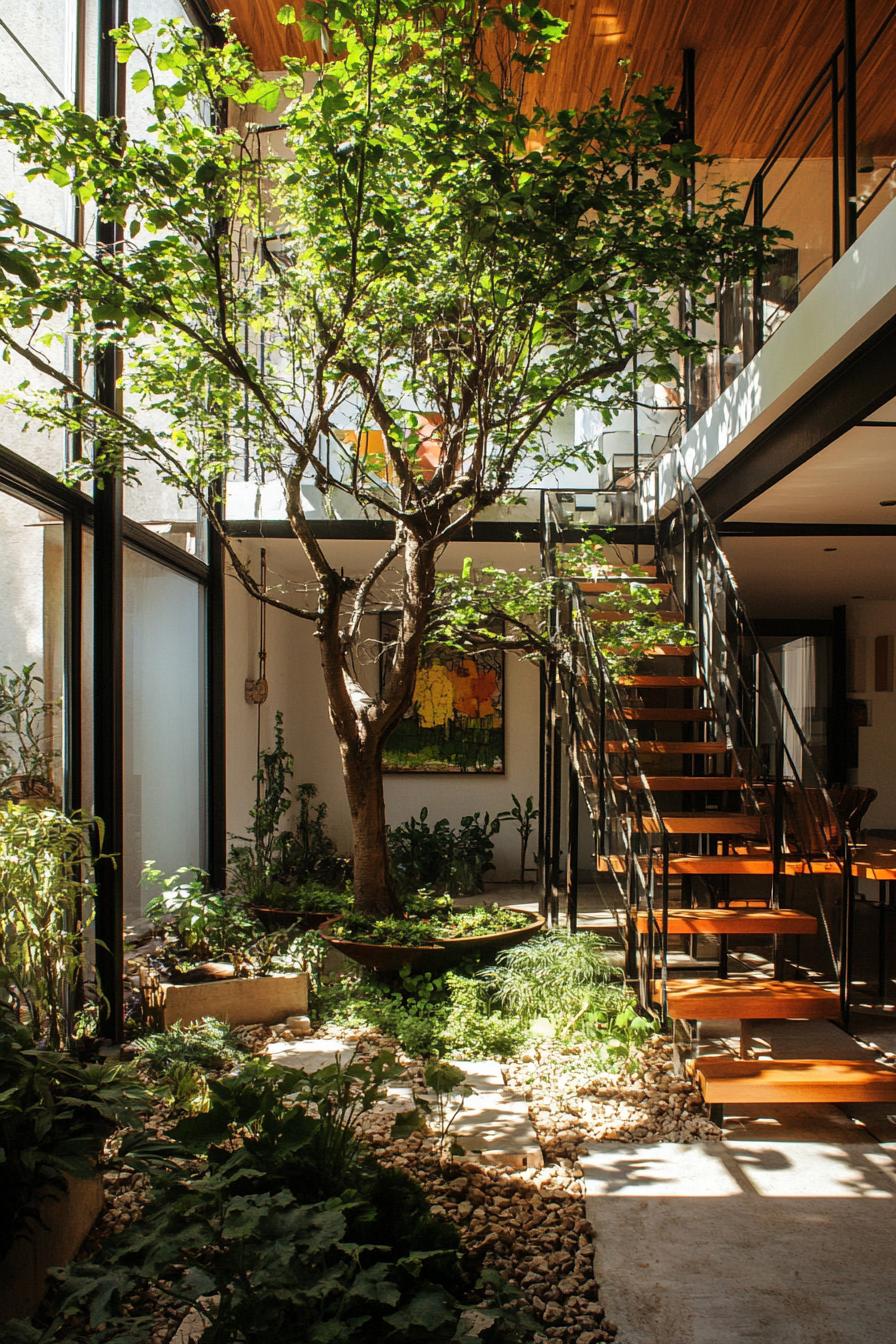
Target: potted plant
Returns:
[430, 935]
[213, 958]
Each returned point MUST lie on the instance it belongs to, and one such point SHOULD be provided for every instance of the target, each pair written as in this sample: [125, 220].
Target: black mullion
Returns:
[216, 802]
[108, 620]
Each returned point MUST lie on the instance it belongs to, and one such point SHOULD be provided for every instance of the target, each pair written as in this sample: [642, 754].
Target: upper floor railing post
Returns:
[758, 277]
[850, 116]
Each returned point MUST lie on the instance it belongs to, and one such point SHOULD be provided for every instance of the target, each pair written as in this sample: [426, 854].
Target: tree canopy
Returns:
[387, 270]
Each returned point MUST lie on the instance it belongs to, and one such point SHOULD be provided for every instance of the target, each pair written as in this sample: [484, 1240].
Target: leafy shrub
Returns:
[567, 981]
[206, 925]
[309, 897]
[282, 1223]
[271, 863]
[54, 1115]
[441, 858]
[475, 1028]
[44, 855]
[27, 757]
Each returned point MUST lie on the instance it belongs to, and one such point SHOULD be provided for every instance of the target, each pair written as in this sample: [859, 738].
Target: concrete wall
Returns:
[296, 687]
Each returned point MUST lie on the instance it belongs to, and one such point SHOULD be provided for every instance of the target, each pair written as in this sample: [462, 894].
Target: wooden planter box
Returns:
[67, 1217]
[263, 999]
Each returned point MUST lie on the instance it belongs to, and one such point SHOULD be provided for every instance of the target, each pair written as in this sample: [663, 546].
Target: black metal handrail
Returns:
[643, 834]
[705, 580]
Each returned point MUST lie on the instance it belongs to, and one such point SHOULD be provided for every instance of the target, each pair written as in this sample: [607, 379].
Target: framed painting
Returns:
[455, 725]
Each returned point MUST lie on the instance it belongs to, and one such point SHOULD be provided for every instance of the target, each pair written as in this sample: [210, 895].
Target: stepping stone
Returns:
[310, 1055]
[494, 1127]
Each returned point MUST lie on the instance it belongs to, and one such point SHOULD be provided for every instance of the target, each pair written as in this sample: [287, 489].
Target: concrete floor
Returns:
[782, 1232]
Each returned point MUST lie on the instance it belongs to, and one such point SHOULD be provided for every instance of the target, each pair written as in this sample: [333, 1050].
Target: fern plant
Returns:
[557, 976]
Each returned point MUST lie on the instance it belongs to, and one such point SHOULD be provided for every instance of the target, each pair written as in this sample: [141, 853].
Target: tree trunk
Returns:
[362, 771]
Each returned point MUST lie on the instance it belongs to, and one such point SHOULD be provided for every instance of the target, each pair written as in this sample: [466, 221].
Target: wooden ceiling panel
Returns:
[754, 59]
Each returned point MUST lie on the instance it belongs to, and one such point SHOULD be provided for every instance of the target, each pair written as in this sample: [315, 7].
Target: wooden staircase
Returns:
[704, 828]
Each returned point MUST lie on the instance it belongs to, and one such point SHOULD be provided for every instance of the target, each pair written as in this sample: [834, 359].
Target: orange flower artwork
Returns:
[456, 722]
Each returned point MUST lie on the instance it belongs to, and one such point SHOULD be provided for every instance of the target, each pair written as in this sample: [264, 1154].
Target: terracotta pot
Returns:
[274, 917]
[392, 957]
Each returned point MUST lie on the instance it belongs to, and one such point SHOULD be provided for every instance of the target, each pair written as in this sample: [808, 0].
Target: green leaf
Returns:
[139, 80]
[140, 25]
[286, 15]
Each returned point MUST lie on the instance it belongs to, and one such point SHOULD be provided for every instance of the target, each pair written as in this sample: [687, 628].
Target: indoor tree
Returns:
[390, 296]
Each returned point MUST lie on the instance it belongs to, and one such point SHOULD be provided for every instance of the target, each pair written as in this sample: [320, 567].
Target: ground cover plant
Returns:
[430, 923]
[556, 986]
[431, 247]
[275, 1214]
[177, 1061]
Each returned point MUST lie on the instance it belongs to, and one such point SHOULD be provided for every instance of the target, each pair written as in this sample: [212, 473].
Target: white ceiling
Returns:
[844, 483]
[799, 577]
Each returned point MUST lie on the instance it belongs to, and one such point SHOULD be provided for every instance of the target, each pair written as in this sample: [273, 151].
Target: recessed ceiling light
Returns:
[888, 503]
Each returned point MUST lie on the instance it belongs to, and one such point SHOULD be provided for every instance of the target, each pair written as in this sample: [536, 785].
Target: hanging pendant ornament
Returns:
[257, 687]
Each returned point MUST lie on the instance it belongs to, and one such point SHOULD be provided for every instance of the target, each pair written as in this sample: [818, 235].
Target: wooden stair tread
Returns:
[659, 681]
[722, 1078]
[611, 614]
[616, 582]
[706, 823]
[682, 783]
[718, 1000]
[652, 650]
[644, 571]
[735, 865]
[722, 921]
[662, 714]
[648, 748]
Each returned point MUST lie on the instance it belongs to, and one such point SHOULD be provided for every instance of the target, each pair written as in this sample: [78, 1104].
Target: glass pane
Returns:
[37, 45]
[32, 749]
[164, 723]
[152, 502]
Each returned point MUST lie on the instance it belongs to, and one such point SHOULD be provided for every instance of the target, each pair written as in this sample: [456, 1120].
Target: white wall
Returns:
[296, 687]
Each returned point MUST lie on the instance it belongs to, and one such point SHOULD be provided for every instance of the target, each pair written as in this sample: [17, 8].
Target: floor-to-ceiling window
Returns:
[164, 722]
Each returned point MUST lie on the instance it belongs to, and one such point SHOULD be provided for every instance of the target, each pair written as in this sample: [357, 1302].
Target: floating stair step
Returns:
[734, 865]
[646, 714]
[682, 783]
[704, 823]
[659, 681]
[608, 614]
[648, 748]
[724, 922]
[721, 1078]
[637, 570]
[747, 1000]
[595, 587]
[652, 650]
